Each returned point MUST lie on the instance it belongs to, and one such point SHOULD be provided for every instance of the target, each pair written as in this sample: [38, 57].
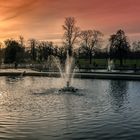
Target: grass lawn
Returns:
[103, 62]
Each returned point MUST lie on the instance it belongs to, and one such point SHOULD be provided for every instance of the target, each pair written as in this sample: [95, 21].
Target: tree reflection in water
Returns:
[118, 94]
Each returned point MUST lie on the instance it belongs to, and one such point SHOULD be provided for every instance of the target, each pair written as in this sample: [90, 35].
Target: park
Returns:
[83, 87]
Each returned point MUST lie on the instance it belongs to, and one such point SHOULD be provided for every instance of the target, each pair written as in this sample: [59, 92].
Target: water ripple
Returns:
[32, 108]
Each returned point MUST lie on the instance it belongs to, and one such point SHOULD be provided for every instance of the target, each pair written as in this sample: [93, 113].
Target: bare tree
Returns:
[91, 40]
[22, 41]
[71, 33]
[1, 52]
[33, 44]
[45, 49]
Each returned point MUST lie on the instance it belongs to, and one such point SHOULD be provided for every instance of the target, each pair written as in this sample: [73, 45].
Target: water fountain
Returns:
[67, 74]
[110, 65]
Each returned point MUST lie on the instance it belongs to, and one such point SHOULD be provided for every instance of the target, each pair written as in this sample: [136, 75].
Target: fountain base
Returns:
[68, 89]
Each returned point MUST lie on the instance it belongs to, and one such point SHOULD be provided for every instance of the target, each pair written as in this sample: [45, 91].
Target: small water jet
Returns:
[110, 65]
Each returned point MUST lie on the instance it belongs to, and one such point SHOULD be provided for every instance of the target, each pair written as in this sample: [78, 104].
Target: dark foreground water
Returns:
[32, 109]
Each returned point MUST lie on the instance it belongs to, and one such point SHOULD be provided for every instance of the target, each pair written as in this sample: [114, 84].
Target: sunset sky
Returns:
[43, 19]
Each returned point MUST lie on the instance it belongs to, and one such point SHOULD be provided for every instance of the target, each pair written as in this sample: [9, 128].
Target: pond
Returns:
[31, 108]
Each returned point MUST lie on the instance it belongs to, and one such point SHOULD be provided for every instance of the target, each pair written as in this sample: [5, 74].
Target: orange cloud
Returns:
[42, 19]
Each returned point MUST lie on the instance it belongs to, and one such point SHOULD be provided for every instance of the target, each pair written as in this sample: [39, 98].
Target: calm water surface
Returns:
[31, 108]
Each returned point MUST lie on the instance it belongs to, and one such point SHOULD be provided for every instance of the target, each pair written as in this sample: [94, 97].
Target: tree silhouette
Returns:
[13, 51]
[33, 44]
[91, 40]
[1, 52]
[136, 46]
[119, 46]
[71, 33]
[21, 41]
[22, 45]
[45, 49]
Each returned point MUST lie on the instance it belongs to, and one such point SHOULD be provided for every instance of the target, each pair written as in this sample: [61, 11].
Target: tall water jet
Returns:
[67, 73]
[69, 68]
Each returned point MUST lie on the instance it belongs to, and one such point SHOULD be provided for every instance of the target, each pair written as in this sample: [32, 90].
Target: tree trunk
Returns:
[70, 51]
[90, 58]
[121, 62]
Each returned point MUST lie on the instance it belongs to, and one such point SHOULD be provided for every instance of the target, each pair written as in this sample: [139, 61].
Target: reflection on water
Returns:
[118, 92]
[32, 108]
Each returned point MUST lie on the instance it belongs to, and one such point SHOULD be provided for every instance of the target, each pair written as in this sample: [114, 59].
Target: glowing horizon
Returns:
[43, 19]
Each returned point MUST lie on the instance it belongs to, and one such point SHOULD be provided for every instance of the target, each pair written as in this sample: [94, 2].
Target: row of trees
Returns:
[79, 43]
[33, 51]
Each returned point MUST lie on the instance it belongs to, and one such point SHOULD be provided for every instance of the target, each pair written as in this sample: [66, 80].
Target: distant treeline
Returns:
[82, 44]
